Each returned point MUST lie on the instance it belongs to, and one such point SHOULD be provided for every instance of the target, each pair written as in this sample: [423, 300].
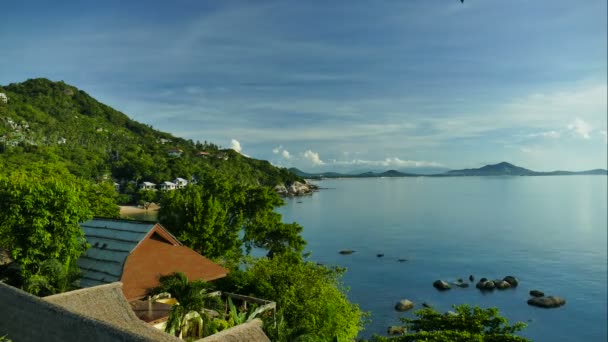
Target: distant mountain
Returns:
[507, 169]
[369, 174]
[500, 169]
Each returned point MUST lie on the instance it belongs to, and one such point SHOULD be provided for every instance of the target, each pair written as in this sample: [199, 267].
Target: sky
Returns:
[337, 85]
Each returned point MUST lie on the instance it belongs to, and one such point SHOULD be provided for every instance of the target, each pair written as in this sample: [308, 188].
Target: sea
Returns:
[549, 232]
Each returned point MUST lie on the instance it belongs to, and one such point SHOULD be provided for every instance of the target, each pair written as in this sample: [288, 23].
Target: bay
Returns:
[550, 232]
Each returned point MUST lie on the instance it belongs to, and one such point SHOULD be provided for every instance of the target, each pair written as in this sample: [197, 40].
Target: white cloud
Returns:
[545, 134]
[604, 133]
[581, 128]
[286, 154]
[390, 162]
[235, 145]
[313, 157]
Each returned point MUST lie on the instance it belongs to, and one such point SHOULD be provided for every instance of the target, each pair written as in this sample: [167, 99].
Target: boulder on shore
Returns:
[404, 305]
[441, 285]
[547, 302]
[536, 293]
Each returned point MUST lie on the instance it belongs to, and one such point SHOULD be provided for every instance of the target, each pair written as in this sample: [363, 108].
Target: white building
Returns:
[176, 152]
[147, 186]
[3, 98]
[167, 186]
[180, 183]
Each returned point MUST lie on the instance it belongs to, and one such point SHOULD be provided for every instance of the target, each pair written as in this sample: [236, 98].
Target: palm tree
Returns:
[188, 317]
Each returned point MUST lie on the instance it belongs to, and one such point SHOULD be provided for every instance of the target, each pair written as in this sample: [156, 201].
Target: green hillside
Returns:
[56, 122]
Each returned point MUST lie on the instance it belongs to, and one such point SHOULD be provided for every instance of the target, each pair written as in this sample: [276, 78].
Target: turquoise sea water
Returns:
[550, 232]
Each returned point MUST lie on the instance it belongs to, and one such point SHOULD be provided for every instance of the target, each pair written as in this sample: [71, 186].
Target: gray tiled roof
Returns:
[111, 242]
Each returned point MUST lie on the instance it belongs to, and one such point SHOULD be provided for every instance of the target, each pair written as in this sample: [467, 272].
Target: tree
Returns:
[102, 199]
[40, 212]
[187, 318]
[466, 324]
[209, 217]
[310, 297]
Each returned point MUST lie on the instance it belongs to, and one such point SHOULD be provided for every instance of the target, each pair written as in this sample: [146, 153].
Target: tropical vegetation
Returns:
[465, 324]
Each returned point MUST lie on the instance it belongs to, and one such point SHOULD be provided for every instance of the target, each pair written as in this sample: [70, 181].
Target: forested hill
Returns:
[56, 122]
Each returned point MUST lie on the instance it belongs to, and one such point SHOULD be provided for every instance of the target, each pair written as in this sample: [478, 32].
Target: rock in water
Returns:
[441, 285]
[471, 278]
[536, 293]
[547, 302]
[489, 285]
[511, 280]
[404, 305]
[347, 251]
[426, 305]
[396, 330]
[501, 285]
[380, 255]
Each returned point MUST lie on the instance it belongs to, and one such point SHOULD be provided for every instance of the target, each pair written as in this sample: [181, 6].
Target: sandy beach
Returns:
[139, 213]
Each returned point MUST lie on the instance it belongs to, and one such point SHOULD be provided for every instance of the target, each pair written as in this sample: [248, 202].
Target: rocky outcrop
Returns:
[441, 285]
[536, 293]
[404, 305]
[296, 189]
[547, 302]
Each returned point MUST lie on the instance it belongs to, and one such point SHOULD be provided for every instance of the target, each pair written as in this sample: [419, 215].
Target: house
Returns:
[175, 152]
[3, 98]
[166, 186]
[94, 314]
[61, 141]
[180, 182]
[99, 313]
[147, 186]
[203, 154]
[136, 253]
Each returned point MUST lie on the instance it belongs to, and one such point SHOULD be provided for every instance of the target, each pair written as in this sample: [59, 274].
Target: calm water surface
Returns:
[550, 232]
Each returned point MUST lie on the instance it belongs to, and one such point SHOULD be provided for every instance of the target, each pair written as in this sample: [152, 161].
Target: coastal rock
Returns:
[480, 284]
[441, 285]
[404, 305]
[460, 284]
[380, 255]
[501, 285]
[346, 251]
[396, 330]
[536, 293]
[547, 302]
[471, 278]
[296, 189]
[511, 280]
[489, 285]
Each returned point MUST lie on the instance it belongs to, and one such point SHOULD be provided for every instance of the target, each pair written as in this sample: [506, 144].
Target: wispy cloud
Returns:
[603, 132]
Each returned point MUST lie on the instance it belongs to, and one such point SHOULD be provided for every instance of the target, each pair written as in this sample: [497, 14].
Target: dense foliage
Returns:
[464, 325]
[218, 216]
[52, 121]
[311, 298]
[41, 208]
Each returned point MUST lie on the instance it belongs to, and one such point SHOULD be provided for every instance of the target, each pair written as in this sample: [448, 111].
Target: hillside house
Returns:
[147, 186]
[180, 182]
[167, 186]
[136, 253]
[3, 98]
[175, 152]
[203, 154]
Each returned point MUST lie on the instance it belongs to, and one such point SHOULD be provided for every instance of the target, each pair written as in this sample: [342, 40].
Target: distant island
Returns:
[500, 169]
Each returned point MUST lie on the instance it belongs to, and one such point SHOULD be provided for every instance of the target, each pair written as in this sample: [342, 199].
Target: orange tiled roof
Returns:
[153, 258]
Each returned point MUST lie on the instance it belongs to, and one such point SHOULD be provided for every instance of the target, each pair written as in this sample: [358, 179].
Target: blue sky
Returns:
[340, 85]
